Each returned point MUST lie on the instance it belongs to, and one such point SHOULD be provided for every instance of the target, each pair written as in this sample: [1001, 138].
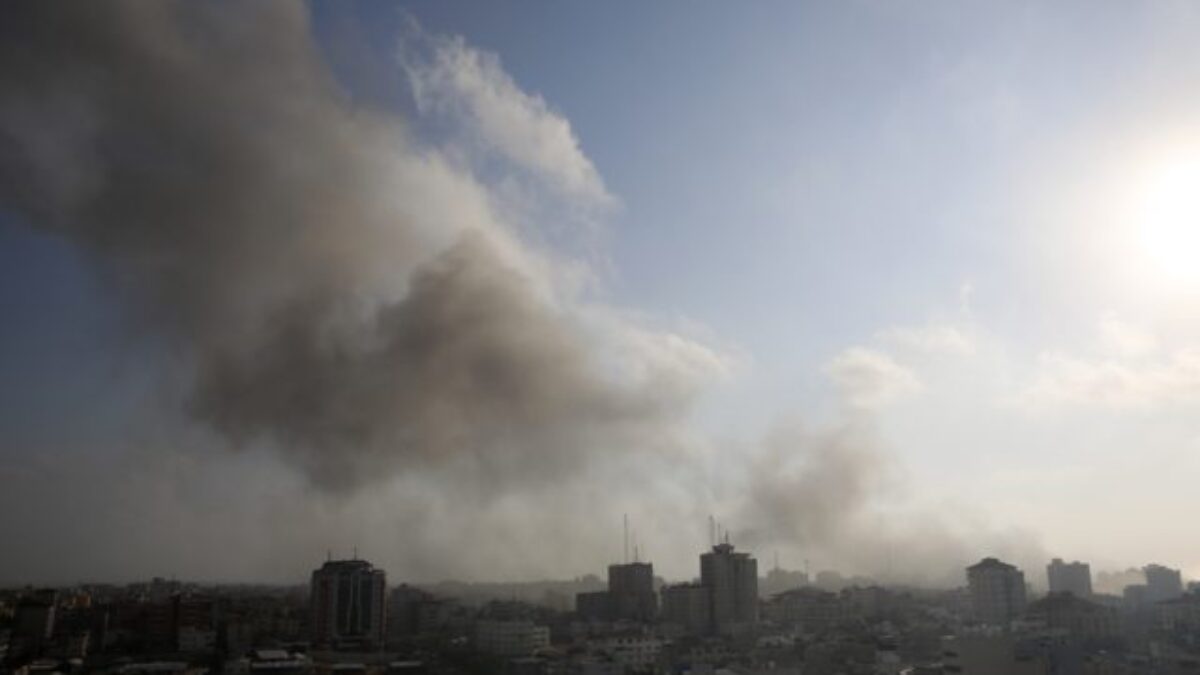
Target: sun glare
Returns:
[1168, 222]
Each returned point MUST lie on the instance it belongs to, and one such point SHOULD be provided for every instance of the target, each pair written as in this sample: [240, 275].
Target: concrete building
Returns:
[1077, 617]
[688, 606]
[510, 639]
[732, 578]
[1074, 577]
[997, 591]
[347, 605]
[812, 609]
[1162, 583]
[631, 591]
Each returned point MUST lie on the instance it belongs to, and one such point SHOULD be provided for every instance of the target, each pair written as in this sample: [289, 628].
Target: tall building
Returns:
[997, 591]
[347, 605]
[732, 579]
[630, 595]
[1074, 578]
[688, 606]
[631, 591]
[1162, 583]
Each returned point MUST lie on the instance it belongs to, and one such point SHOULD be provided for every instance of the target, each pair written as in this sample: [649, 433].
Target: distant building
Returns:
[631, 587]
[997, 591]
[510, 638]
[1076, 616]
[733, 581]
[630, 596]
[1162, 583]
[32, 624]
[812, 609]
[1074, 577]
[688, 606]
[1135, 597]
[594, 606]
[347, 605]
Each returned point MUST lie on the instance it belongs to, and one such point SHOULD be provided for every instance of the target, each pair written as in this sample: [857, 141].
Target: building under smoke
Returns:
[733, 580]
[1074, 577]
[1162, 583]
[630, 595]
[725, 602]
[347, 605]
[997, 591]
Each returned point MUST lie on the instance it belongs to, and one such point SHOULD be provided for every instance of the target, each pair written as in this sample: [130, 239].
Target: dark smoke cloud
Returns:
[338, 292]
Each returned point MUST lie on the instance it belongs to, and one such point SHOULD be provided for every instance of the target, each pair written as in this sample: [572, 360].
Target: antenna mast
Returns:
[625, 520]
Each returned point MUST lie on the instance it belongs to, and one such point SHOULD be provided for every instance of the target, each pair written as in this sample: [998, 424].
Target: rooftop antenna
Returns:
[356, 553]
[712, 530]
[625, 520]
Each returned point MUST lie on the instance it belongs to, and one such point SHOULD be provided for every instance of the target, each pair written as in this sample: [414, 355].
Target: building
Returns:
[630, 596]
[1077, 617]
[1162, 583]
[997, 591]
[1074, 577]
[812, 609]
[732, 579]
[631, 591]
[347, 605]
[688, 606]
[594, 606]
[510, 639]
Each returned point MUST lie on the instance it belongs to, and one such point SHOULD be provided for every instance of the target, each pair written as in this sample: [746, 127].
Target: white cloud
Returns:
[471, 86]
[1114, 383]
[1121, 338]
[867, 378]
[932, 338]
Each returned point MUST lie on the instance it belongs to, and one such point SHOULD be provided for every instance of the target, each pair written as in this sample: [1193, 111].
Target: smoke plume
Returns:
[338, 291]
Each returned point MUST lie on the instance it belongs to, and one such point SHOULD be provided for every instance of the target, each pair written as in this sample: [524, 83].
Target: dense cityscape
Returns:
[728, 621]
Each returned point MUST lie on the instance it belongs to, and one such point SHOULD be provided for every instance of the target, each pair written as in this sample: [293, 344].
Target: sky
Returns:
[884, 287]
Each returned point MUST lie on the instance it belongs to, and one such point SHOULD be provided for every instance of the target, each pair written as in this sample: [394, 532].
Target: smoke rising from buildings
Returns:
[340, 293]
[369, 308]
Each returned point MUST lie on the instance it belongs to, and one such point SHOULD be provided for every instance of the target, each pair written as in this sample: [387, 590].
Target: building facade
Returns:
[997, 591]
[631, 591]
[688, 606]
[510, 638]
[1162, 583]
[732, 578]
[1074, 578]
[347, 603]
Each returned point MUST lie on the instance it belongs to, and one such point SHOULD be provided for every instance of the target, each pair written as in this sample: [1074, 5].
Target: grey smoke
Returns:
[337, 291]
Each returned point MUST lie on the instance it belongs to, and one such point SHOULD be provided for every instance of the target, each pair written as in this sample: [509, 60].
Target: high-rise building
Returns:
[1074, 578]
[1162, 583]
[347, 605]
[631, 591]
[997, 591]
[630, 595]
[732, 579]
[688, 606]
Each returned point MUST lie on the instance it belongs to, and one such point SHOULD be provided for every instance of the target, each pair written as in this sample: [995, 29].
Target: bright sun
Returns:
[1169, 222]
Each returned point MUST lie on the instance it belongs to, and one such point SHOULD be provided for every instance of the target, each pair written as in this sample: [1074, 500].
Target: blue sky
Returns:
[928, 218]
